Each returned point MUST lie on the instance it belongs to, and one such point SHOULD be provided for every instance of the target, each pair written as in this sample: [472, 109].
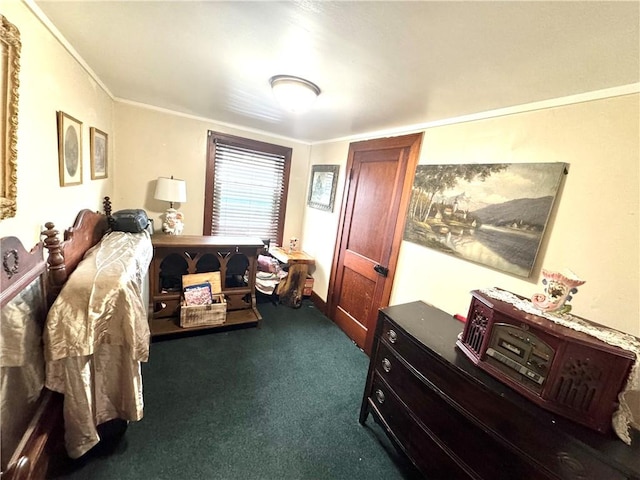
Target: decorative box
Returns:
[308, 286]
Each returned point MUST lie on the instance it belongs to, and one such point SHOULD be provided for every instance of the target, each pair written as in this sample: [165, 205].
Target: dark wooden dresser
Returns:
[455, 421]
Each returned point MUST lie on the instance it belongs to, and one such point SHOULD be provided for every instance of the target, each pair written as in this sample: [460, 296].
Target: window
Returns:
[246, 188]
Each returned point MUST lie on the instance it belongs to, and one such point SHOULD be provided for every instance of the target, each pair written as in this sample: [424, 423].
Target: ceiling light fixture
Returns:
[294, 94]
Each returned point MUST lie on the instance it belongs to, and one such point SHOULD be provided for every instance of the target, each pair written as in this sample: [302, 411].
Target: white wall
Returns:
[153, 143]
[320, 226]
[595, 229]
[50, 80]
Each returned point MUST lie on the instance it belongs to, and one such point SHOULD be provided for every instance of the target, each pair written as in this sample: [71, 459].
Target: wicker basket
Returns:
[200, 315]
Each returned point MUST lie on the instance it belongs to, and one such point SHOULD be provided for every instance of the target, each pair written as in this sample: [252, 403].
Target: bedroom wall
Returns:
[50, 80]
[153, 143]
[594, 230]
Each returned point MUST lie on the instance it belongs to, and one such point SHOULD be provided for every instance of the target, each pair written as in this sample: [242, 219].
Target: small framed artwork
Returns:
[69, 150]
[322, 190]
[99, 149]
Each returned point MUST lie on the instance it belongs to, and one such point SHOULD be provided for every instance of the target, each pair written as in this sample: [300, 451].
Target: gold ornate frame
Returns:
[9, 80]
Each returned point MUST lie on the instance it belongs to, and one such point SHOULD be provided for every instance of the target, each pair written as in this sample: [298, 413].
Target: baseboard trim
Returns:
[319, 303]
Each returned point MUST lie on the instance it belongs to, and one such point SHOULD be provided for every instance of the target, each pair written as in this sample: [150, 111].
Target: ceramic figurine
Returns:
[173, 222]
[558, 290]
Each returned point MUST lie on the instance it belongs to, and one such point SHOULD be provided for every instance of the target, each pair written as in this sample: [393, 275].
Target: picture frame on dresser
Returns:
[69, 149]
[99, 153]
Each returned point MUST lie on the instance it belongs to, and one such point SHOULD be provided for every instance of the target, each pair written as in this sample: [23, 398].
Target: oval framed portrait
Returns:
[69, 150]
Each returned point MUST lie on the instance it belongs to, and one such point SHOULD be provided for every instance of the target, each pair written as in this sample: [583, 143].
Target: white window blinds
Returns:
[249, 190]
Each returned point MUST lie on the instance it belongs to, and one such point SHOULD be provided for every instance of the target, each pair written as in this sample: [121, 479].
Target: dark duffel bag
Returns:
[133, 221]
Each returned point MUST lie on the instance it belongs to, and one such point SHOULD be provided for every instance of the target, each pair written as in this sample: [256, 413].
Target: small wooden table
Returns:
[177, 255]
[290, 289]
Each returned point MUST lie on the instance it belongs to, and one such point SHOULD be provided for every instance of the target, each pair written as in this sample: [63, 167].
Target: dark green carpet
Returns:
[278, 402]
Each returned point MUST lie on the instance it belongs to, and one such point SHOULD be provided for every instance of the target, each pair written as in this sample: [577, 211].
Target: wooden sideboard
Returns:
[177, 255]
[453, 420]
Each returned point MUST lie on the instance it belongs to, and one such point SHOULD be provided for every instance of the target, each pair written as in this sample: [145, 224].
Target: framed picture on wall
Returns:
[69, 150]
[99, 149]
[9, 82]
[492, 214]
[322, 189]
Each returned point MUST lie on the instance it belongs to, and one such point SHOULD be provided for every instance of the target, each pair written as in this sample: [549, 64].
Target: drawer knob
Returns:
[386, 365]
[392, 335]
[380, 396]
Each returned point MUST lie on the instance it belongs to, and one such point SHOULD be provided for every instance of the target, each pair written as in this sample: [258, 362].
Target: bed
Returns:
[94, 337]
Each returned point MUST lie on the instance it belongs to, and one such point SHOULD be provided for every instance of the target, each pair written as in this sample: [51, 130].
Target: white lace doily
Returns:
[628, 413]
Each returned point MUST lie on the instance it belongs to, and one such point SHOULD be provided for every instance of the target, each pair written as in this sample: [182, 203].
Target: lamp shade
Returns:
[294, 94]
[171, 190]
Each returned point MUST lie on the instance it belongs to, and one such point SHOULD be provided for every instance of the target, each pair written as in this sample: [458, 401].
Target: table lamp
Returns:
[171, 190]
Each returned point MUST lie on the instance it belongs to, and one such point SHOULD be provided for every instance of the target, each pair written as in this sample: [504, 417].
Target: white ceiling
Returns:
[380, 65]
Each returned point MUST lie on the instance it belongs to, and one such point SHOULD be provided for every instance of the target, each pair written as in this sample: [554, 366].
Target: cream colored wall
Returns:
[320, 226]
[153, 143]
[50, 80]
[594, 230]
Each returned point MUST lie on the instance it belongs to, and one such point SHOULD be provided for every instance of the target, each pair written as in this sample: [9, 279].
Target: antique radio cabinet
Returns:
[562, 370]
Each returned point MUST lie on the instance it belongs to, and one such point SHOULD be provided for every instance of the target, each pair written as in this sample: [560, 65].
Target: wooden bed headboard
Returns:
[19, 267]
[31, 425]
[64, 256]
[42, 444]
[41, 447]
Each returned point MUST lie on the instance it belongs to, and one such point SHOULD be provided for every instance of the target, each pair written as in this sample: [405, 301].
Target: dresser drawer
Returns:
[428, 457]
[456, 433]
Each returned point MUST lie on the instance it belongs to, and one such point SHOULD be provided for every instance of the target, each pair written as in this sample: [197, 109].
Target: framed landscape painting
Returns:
[492, 214]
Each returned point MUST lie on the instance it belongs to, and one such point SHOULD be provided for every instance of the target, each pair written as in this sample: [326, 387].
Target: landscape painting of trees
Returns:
[492, 214]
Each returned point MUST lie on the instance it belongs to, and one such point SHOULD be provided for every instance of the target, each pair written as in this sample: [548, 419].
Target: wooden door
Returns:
[379, 178]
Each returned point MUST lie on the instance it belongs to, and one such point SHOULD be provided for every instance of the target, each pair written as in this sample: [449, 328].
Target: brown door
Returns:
[379, 178]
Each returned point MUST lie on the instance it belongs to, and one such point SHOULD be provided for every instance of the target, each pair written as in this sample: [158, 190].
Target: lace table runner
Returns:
[628, 413]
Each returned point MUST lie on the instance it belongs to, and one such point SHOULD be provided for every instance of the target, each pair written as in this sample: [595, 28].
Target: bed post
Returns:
[57, 270]
[106, 204]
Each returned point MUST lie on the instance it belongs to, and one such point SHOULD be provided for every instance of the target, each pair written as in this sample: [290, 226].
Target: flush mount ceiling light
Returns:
[294, 94]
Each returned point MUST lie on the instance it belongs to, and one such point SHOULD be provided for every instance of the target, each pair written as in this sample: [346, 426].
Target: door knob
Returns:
[384, 271]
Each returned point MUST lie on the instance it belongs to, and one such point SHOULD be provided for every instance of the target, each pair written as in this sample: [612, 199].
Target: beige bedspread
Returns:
[96, 335]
